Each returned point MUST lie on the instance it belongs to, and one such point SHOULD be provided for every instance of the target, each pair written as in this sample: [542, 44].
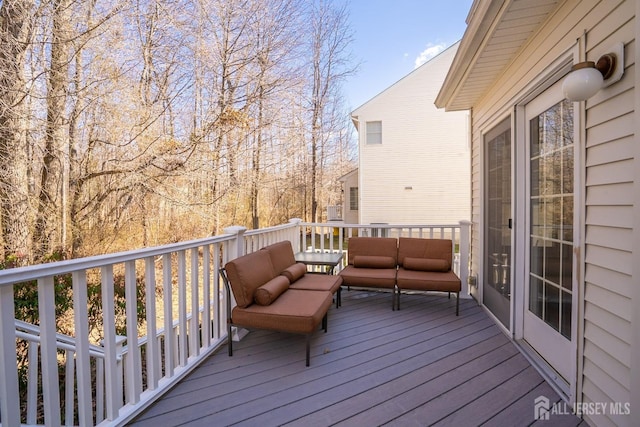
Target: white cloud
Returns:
[431, 51]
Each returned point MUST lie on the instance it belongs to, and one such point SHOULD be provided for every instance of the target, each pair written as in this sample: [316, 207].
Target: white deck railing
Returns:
[184, 304]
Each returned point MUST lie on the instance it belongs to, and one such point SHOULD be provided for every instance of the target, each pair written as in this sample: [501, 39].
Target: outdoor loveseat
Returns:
[401, 264]
[274, 292]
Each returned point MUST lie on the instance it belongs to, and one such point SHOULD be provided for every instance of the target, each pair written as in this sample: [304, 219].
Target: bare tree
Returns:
[15, 34]
[276, 40]
[225, 26]
[121, 163]
[329, 41]
[48, 225]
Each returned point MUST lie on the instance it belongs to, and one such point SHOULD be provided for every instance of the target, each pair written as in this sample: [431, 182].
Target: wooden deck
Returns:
[418, 366]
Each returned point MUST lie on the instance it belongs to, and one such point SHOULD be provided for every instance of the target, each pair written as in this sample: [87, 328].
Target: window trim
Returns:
[373, 133]
[353, 201]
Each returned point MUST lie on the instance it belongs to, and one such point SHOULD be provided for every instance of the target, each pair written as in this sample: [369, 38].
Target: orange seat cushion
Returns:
[294, 311]
[247, 273]
[318, 282]
[428, 280]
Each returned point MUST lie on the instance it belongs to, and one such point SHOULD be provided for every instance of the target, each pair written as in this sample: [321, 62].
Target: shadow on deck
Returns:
[418, 366]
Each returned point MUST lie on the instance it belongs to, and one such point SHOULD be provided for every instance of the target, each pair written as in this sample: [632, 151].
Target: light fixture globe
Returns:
[583, 82]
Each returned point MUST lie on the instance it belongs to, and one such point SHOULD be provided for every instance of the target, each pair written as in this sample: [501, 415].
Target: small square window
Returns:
[374, 132]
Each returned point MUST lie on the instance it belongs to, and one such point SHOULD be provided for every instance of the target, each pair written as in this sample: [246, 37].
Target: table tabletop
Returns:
[319, 258]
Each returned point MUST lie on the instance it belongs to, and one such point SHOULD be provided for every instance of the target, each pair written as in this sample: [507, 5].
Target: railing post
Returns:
[236, 246]
[236, 250]
[296, 234]
[465, 245]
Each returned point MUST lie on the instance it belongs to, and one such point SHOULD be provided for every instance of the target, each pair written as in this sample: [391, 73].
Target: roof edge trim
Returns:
[481, 20]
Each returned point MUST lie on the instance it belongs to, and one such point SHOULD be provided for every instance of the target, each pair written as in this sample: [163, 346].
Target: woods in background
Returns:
[127, 124]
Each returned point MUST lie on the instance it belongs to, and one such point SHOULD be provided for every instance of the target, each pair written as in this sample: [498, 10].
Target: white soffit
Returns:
[496, 31]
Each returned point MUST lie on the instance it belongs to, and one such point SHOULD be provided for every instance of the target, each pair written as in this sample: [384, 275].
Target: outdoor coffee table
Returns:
[328, 260]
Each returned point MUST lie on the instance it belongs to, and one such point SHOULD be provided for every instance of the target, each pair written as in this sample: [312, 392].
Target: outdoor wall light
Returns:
[588, 77]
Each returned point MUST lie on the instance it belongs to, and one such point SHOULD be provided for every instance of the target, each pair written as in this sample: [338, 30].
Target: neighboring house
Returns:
[564, 280]
[351, 200]
[413, 157]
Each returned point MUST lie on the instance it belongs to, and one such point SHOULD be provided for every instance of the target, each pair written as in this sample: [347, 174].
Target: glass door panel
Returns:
[497, 268]
[549, 281]
[551, 229]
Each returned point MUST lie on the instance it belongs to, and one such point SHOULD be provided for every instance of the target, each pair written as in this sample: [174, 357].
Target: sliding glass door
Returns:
[497, 268]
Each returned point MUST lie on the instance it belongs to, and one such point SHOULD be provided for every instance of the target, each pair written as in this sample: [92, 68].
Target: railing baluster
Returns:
[32, 384]
[99, 390]
[167, 296]
[133, 379]
[219, 307]
[69, 388]
[176, 338]
[81, 319]
[194, 340]
[206, 296]
[113, 379]
[120, 360]
[331, 236]
[49, 353]
[153, 349]
[182, 308]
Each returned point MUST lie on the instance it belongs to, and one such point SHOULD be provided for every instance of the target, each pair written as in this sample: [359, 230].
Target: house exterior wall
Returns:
[635, 322]
[420, 172]
[349, 181]
[608, 169]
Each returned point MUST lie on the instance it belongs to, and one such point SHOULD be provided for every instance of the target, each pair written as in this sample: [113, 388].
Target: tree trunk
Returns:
[255, 181]
[329, 40]
[47, 236]
[314, 165]
[15, 34]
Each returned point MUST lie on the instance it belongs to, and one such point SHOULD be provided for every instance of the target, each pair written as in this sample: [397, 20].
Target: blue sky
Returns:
[392, 36]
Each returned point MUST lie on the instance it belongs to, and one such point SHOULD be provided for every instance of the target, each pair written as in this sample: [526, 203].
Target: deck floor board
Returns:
[420, 365]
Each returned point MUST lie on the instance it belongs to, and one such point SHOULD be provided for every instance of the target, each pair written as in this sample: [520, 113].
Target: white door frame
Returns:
[556, 349]
[521, 220]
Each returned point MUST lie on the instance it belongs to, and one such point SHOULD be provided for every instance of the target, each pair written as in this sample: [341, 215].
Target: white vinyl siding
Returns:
[609, 224]
[608, 168]
[349, 181]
